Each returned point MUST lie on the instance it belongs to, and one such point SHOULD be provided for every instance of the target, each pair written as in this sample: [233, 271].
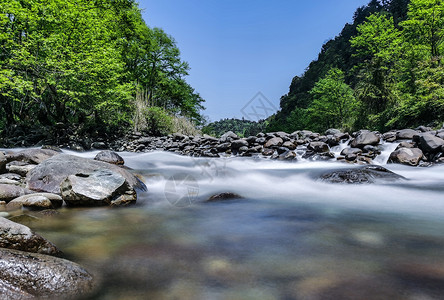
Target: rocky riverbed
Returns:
[40, 183]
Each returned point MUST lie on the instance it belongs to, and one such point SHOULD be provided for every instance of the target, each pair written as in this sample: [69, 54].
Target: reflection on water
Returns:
[291, 237]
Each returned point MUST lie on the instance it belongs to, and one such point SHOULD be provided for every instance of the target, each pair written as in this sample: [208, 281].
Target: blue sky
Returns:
[237, 48]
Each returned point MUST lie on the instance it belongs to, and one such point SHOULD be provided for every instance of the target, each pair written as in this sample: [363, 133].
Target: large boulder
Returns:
[429, 143]
[235, 145]
[365, 138]
[27, 275]
[103, 187]
[32, 156]
[48, 176]
[19, 237]
[367, 174]
[228, 137]
[318, 147]
[406, 134]
[9, 192]
[110, 157]
[406, 156]
[3, 162]
[274, 142]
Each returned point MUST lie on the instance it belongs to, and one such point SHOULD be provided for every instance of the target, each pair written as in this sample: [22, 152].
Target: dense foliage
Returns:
[383, 71]
[243, 128]
[80, 62]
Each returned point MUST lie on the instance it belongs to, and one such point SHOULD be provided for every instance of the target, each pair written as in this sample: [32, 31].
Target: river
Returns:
[289, 237]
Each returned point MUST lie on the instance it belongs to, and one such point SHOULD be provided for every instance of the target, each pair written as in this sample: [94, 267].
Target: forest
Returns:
[383, 71]
[92, 65]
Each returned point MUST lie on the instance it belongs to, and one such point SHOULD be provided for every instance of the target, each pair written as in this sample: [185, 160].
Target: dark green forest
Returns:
[383, 71]
[94, 65]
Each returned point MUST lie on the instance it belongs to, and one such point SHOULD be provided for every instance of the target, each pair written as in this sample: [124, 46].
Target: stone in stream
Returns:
[3, 162]
[274, 142]
[27, 275]
[48, 176]
[348, 151]
[36, 201]
[429, 143]
[224, 197]
[318, 147]
[365, 138]
[406, 156]
[367, 174]
[20, 169]
[19, 237]
[110, 157]
[406, 134]
[9, 192]
[237, 144]
[102, 187]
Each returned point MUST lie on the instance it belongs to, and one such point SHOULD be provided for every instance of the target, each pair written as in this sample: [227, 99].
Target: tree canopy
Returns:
[81, 62]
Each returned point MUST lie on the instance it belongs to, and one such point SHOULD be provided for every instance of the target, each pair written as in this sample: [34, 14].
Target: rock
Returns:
[332, 131]
[406, 134]
[19, 237]
[223, 197]
[290, 145]
[274, 142]
[235, 145]
[349, 151]
[367, 174]
[365, 138]
[32, 156]
[389, 136]
[21, 170]
[318, 147]
[98, 145]
[228, 137]
[423, 129]
[3, 162]
[9, 192]
[223, 147]
[287, 155]
[429, 143]
[102, 187]
[110, 157]
[267, 152]
[47, 176]
[406, 145]
[36, 201]
[30, 275]
[406, 156]
[251, 139]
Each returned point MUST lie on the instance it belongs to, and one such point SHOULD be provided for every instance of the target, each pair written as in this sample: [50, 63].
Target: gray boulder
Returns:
[102, 187]
[9, 192]
[365, 138]
[19, 237]
[36, 201]
[332, 131]
[429, 143]
[27, 275]
[110, 157]
[406, 156]
[367, 174]
[274, 142]
[318, 147]
[238, 144]
[406, 134]
[19, 169]
[223, 147]
[347, 151]
[3, 162]
[228, 137]
[48, 176]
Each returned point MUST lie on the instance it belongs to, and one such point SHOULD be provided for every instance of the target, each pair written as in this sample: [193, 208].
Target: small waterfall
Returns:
[337, 149]
[386, 150]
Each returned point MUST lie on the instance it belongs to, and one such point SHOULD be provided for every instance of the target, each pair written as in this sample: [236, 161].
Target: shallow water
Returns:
[290, 237]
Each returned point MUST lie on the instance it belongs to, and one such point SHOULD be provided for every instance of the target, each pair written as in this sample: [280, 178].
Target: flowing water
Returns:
[289, 237]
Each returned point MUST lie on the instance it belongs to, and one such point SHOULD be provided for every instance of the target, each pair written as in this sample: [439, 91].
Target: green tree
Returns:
[333, 102]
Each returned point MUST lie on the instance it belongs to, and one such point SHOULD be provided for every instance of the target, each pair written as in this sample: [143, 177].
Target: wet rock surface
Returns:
[110, 157]
[19, 237]
[27, 275]
[48, 176]
[368, 174]
[102, 187]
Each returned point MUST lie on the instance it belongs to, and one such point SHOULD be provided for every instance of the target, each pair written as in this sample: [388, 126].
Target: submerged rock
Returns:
[367, 174]
[223, 197]
[48, 176]
[27, 275]
[19, 237]
[103, 187]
